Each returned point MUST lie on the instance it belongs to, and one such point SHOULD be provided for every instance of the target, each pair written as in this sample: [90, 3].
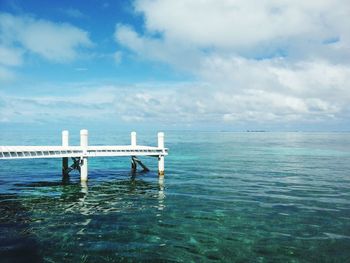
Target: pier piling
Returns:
[133, 138]
[80, 154]
[65, 143]
[161, 157]
[133, 144]
[84, 159]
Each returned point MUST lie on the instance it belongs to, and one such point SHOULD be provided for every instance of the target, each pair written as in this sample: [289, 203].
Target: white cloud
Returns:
[279, 61]
[82, 106]
[263, 29]
[5, 74]
[175, 53]
[260, 62]
[58, 42]
[20, 35]
[245, 24]
[10, 56]
[179, 104]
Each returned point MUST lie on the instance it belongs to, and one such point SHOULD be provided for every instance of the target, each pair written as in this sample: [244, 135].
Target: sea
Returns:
[225, 197]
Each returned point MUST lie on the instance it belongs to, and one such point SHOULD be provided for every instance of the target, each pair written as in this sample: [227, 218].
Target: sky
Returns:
[231, 65]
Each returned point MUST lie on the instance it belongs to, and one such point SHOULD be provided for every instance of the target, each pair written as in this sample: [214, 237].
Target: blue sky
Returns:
[151, 64]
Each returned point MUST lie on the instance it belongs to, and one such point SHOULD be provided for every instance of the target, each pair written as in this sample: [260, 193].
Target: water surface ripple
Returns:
[226, 197]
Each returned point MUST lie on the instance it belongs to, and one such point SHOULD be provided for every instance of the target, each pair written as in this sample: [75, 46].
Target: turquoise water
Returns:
[226, 197]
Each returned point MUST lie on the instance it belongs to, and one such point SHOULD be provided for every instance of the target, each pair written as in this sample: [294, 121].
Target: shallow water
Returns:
[228, 197]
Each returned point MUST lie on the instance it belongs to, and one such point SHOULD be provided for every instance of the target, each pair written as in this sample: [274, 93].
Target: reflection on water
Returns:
[88, 215]
[161, 194]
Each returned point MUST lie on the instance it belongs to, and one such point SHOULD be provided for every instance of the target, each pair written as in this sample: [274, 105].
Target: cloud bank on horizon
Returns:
[213, 63]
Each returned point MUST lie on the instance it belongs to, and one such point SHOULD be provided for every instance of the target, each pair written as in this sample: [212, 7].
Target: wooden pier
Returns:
[80, 154]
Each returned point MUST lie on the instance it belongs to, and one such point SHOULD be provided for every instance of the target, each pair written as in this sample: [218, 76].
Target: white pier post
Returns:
[65, 143]
[133, 138]
[161, 157]
[84, 159]
[133, 143]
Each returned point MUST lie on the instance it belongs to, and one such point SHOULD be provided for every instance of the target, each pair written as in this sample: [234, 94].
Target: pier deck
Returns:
[29, 152]
[80, 154]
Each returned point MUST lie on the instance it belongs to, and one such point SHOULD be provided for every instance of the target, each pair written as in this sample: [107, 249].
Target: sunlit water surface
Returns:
[226, 197]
